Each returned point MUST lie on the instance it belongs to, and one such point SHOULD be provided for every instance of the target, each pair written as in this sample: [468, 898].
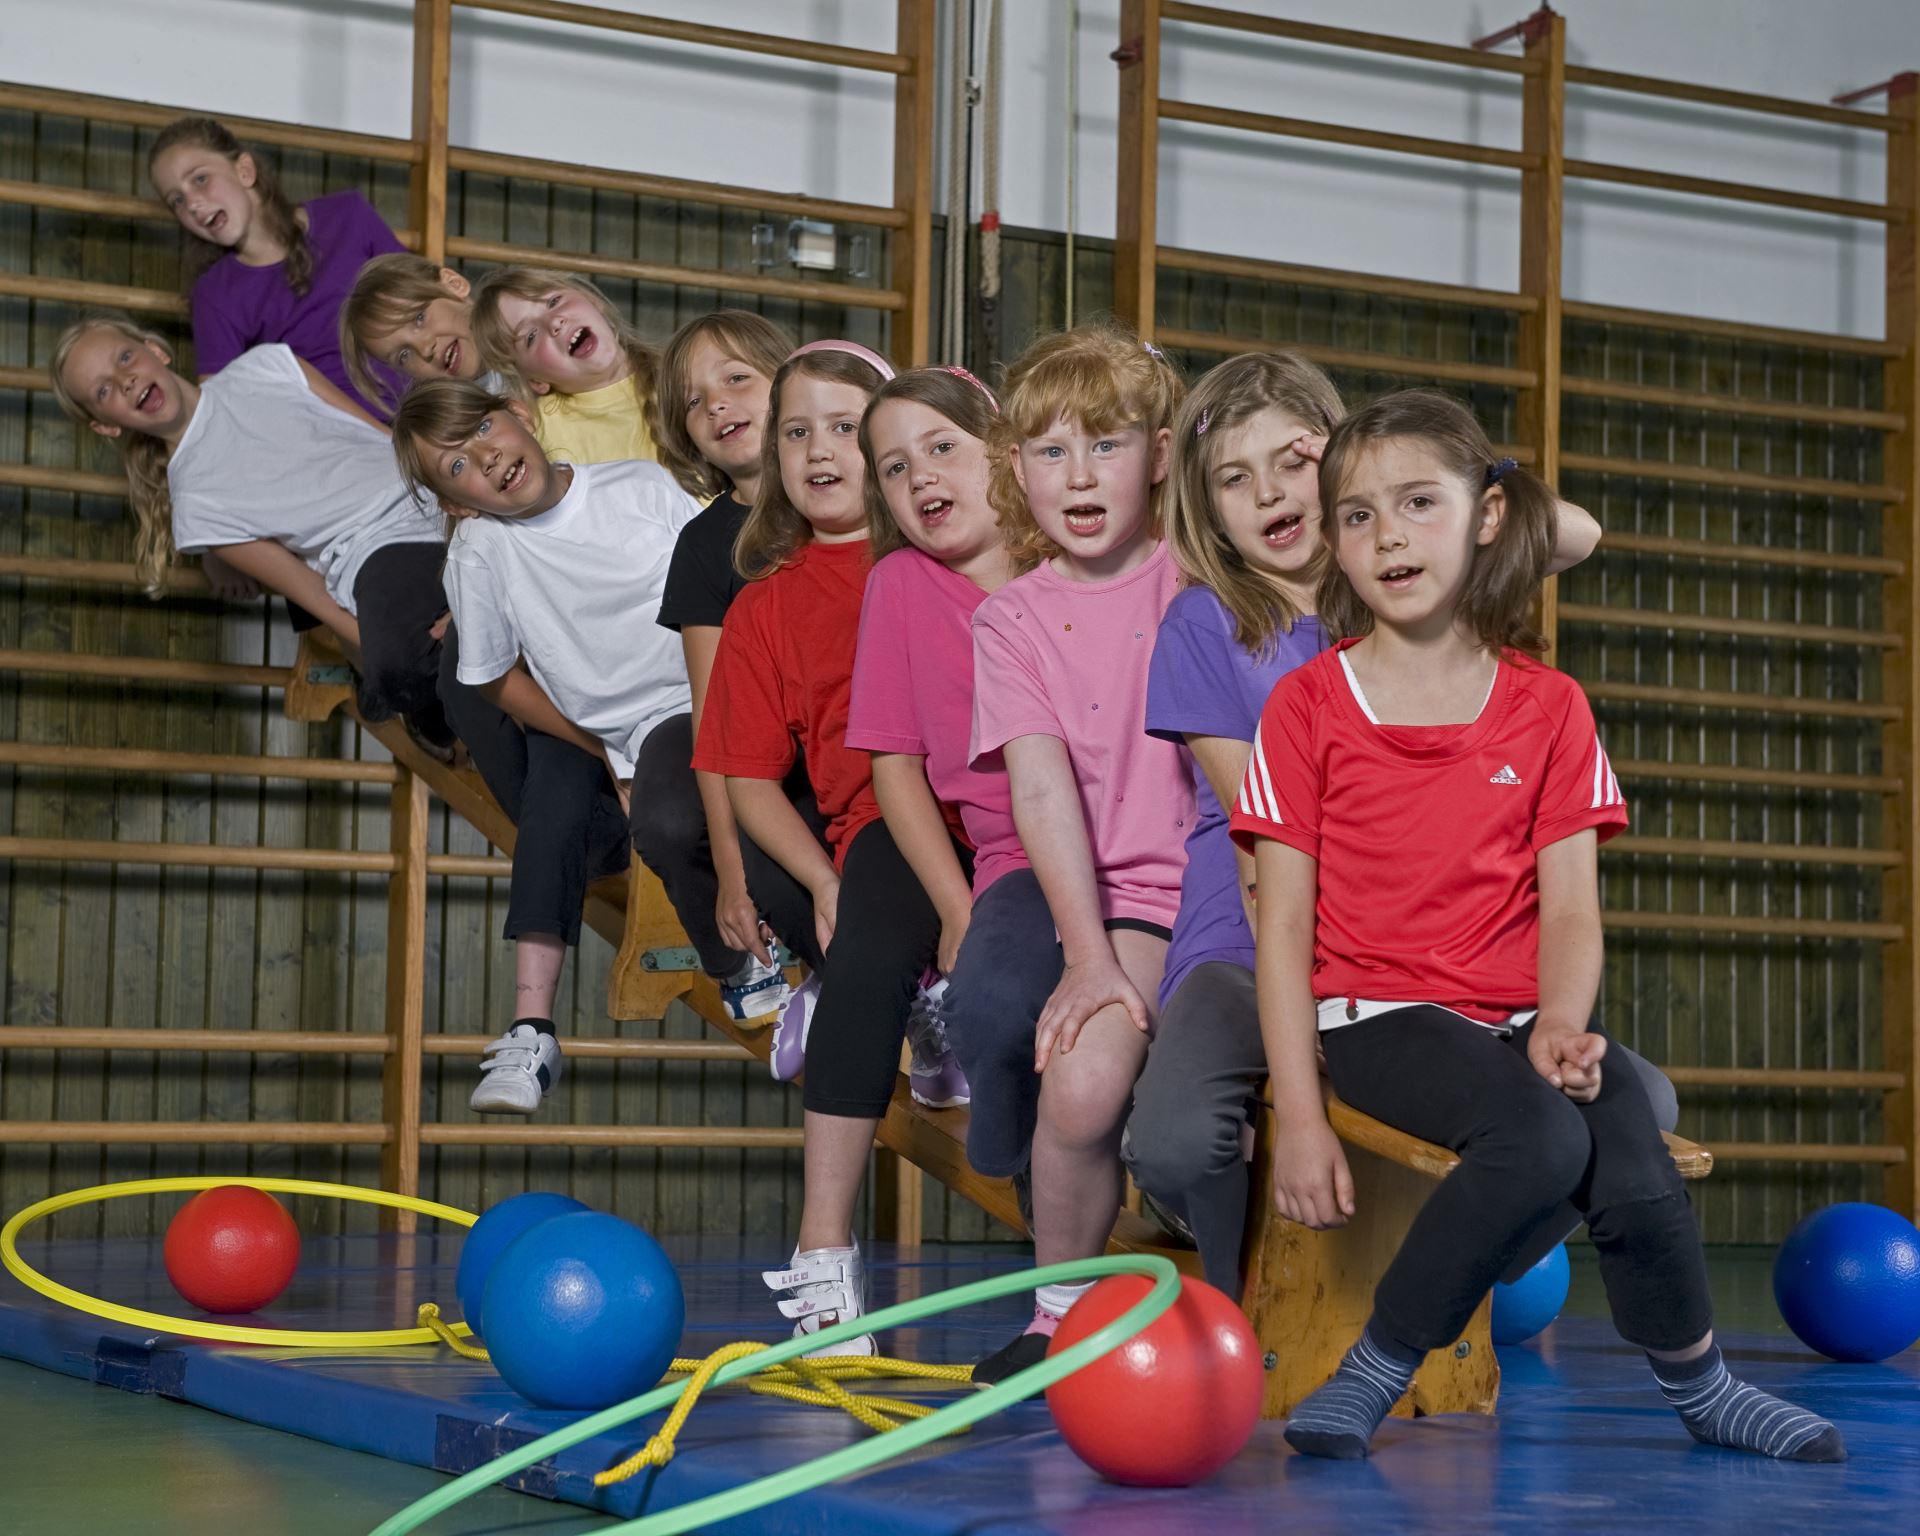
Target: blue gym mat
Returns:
[1582, 1440]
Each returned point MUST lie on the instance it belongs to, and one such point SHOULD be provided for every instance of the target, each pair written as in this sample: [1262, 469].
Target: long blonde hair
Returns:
[755, 340]
[1100, 375]
[775, 531]
[1230, 394]
[1497, 605]
[276, 209]
[143, 456]
[495, 340]
[389, 291]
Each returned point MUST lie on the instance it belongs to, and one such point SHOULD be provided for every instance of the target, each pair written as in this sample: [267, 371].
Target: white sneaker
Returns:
[516, 1071]
[828, 1286]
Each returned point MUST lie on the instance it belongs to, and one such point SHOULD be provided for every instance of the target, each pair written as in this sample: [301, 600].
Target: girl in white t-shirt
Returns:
[554, 574]
[269, 467]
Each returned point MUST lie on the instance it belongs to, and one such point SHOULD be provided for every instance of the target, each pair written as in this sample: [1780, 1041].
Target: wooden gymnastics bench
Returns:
[1308, 1293]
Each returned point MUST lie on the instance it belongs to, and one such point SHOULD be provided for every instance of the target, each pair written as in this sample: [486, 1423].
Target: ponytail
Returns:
[276, 212]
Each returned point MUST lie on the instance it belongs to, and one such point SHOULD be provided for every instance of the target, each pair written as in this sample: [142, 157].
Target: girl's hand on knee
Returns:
[1311, 1182]
[1568, 1058]
[738, 921]
[826, 908]
[1083, 991]
[953, 932]
[439, 627]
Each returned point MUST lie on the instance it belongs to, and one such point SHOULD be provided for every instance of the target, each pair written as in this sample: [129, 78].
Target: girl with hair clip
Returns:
[710, 423]
[589, 377]
[1060, 679]
[411, 318]
[1423, 804]
[272, 468]
[780, 689]
[1245, 529]
[283, 271]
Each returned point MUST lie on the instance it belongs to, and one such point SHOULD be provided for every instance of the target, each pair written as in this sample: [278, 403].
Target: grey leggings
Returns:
[1183, 1142]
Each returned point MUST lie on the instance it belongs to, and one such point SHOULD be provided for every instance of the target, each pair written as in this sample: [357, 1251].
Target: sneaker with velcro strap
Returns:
[516, 1071]
[822, 1287]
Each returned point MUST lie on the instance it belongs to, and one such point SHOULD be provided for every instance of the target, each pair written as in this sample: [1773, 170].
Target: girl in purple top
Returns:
[283, 271]
[1245, 529]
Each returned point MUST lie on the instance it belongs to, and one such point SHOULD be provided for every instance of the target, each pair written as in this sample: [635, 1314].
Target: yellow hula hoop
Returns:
[228, 1333]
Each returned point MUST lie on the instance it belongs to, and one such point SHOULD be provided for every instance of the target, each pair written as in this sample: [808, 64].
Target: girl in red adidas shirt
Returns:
[1423, 803]
[781, 685]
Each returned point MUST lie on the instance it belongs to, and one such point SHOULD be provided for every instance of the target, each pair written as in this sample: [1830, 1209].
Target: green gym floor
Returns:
[86, 1459]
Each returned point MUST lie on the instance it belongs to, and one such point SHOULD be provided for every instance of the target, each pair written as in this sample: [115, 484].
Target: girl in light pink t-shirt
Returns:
[1061, 655]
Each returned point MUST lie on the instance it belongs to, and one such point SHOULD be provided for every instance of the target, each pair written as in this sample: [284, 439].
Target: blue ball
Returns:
[583, 1311]
[488, 1237]
[1534, 1300]
[1847, 1281]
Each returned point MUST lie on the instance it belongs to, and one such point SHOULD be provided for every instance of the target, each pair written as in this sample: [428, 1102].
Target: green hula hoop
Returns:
[865, 1453]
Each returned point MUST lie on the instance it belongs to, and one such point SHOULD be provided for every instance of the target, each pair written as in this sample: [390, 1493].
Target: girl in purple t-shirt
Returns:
[1245, 529]
[283, 271]
[1060, 674]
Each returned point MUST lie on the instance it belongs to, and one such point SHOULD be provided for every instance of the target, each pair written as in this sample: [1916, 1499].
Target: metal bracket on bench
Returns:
[680, 957]
[335, 675]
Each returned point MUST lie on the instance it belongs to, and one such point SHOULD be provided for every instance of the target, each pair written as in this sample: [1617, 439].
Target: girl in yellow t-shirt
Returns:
[589, 378]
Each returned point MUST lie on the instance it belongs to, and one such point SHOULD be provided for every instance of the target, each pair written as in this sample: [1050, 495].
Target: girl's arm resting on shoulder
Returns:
[1571, 954]
[330, 392]
[279, 569]
[1576, 534]
[1053, 829]
[920, 832]
[1311, 1181]
[737, 918]
[766, 815]
[516, 694]
[1223, 759]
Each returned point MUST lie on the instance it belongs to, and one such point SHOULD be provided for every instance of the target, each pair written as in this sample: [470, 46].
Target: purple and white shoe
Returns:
[789, 1056]
[936, 1079]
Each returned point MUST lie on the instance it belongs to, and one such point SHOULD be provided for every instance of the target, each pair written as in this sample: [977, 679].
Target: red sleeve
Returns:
[1280, 795]
[744, 730]
[1579, 789]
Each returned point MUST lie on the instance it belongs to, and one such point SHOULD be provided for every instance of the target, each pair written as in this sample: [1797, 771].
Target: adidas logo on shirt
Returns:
[1505, 776]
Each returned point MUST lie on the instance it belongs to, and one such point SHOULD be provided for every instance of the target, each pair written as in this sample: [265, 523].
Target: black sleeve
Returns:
[701, 581]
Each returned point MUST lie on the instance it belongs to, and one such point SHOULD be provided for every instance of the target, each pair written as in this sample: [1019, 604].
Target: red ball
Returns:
[1173, 1404]
[231, 1249]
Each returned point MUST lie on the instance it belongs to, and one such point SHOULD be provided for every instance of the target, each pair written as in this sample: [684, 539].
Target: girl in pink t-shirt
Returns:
[1060, 683]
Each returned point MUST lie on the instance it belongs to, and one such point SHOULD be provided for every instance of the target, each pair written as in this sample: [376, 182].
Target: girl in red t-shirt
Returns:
[1424, 803]
[781, 683]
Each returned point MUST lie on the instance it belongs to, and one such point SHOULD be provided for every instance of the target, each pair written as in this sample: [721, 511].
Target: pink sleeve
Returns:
[1009, 694]
[1579, 790]
[883, 716]
[1280, 794]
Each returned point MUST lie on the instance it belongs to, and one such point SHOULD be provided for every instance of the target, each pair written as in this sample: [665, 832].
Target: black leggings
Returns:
[569, 828]
[885, 933]
[397, 597]
[1524, 1147]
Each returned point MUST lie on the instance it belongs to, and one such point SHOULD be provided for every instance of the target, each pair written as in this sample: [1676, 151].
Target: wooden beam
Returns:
[145, 669]
[1741, 101]
[698, 33]
[1784, 1078]
[1731, 191]
[1716, 624]
[1342, 37]
[1900, 743]
[106, 573]
[1758, 778]
[273, 1042]
[1136, 193]
[1670, 923]
[1764, 853]
[1336, 133]
[113, 205]
[1543, 111]
[432, 97]
[1731, 330]
[910, 249]
[684, 277]
[79, 482]
[1898, 1163]
[1763, 703]
[201, 1133]
[1751, 554]
[400, 1082]
[73, 850]
[66, 290]
[1347, 357]
[1346, 282]
[527, 1134]
[219, 765]
[1731, 405]
[1731, 479]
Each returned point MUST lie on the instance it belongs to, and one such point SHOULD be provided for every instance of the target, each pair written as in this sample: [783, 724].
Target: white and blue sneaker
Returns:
[755, 993]
[516, 1071]
[824, 1286]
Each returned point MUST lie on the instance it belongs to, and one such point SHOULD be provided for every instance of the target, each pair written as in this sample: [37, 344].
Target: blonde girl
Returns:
[409, 319]
[559, 341]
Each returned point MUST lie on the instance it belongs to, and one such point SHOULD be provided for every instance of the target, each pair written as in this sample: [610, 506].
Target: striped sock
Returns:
[1339, 1419]
[1051, 1304]
[1719, 1409]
